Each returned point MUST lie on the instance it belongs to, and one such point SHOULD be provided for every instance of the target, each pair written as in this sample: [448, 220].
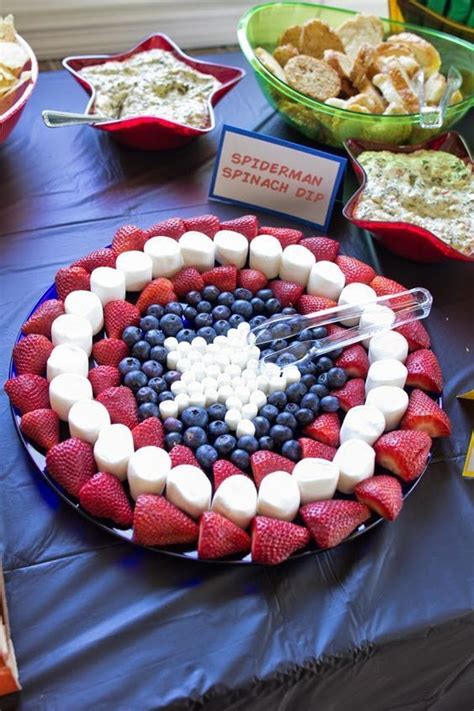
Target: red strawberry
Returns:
[223, 469]
[403, 452]
[71, 279]
[158, 291]
[104, 496]
[354, 360]
[351, 395]
[41, 320]
[416, 335]
[247, 225]
[273, 541]
[287, 292]
[263, 462]
[316, 450]
[219, 537]
[355, 270]
[31, 354]
[118, 315]
[306, 304]
[28, 392]
[323, 248]
[252, 280]
[188, 279]
[425, 415]
[382, 494]
[42, 427]
[331, 521]
[225, 278]
[182, 455]
[209, 224]
[148, 433]
[384, 287]
[127, 238]
[157, 522]
[333, 328]
[172, 227]
[98, 258]
[325, 428]
[109, 351]
[285, 235]
[102, 377]
[121, 404]
[71, 463]
[424, 371]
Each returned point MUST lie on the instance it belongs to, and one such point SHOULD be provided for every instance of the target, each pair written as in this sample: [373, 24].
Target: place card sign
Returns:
[280, 177]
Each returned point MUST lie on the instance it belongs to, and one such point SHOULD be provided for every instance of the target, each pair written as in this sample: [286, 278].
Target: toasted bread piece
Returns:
[394, 108]
[316, 36]
[338, 103]
[363, 60]
[270, 63]
[285, 52]
[365, 99]
[395, 87]
[7, 29]
[347, 89]
[12, 57]
[339, 61]
[457, 96]
[6, 78]
[435, 87]
[425, 54]
[312, 77]
[292, 35]
[361, 29]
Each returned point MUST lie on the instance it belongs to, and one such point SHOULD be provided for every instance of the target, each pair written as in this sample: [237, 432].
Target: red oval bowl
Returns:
[403, 238]
[14, 104]
[152, 133]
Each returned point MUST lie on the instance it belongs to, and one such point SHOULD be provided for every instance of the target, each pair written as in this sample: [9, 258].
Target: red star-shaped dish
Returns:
[153, 132]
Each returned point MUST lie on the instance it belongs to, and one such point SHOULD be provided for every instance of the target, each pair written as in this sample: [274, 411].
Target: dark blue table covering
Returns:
[385, 623]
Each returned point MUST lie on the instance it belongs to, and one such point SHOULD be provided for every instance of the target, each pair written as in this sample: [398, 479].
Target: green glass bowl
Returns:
[263, 25]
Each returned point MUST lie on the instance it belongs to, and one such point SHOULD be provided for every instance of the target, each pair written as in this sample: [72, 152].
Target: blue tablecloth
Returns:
[384, 623]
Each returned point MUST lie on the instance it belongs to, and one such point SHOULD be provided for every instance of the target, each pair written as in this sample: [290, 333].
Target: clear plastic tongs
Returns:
[433, 116]
[384, 313]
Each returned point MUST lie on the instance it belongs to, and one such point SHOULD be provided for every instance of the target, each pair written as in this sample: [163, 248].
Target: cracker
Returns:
[270, 63]
[361, 29]
[292, 35]
[425, 54]
[285, 52]
[312, 77]
[7, 29]
[316, 36]
[12, 57]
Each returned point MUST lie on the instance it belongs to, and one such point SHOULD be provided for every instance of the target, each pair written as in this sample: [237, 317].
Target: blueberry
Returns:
[172, 424]
[319, 332]
[307, 367]
[296, 391]
[280, 330]
[221, 327]
[299, 348]
[311, 401]
[263, 336]
[207, 333]
[217, 428]
[155, 310]
[324, 364]
[158, 384]
[304, 415]
[244, 308]
[148, 409]
[174, 308]
[267, 352]
[287, 420]
[288, 310]
[172, 439]
[147, 323]
[206, 455]
[269, 412]
[242, 293]
[155, 337]
[204, 307]
[226, 298]
[308, 380]
[280, 434]
[152, 369]
[257, 321]
[190, 313]
[272, 306]
[266, 442]
[240, 458]
[159, 353]
[171, 377]
[165, 395]
[146, 394]
[292, 449]
[128, 365]
[220, 312]
[323, 379]
[319, 389]
[185, 335]
[279, 344]
[216, 411]
[225, 444]
[193, 298]
[248, 443]
[135, 380]
[194, 437]
[329, 403]
[285, 359]
[305, 335]
[258, 306]
[336, 377]
[194, 417]
[203, 320]
[141, 350]
[292, 407]
[210, 293]
[170, 324]
[236, 319]
[277, 398]
[131, 335]
[296, 324]
[264, 294]
[262, 426]
[336, 353]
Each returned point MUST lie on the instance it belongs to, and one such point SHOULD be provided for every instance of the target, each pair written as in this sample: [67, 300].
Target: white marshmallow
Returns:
[236, 500]
[197, 399]
[197, 250]
[296, 264]
[182, 401]
[87, 304]
[171, 344]
[224, 392]
[188, 488]
[265, 255]
[386, 372]
[249, 410]
[67, 358]
[388, 344]
[165, 254]
[376, 315]
[392, 403]
[212, 396]
[292, 374]
[67, 389]
[188, 377]
[231, 248]
[316, 479]
[74, 330]
[168, 408]
[363, 422]
[326, 279]
[196, 387]
[232, 417]
[278, 496]
[86, 420]
[245, 427]
[258, 398]
[178, 387]
[183, 364]
[263, 383]
[199, 344]
[113, 449]
[184, 347]
[136, 267]
[108, 284]
[355, 460]
[172, 359]
[354, 294]
[147, 470]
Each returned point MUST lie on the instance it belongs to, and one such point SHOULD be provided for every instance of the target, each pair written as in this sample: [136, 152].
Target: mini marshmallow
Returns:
[249, 410]
[386, 372]
[182, 401]
[231, 248]
[232, 418]
[67, 358]
[258, 398]
[211, 383]
[87, 304]
[278, 496]
[242, 392]
[233, 402]
[178, 387]
[108, 284]
[392, 403]
[74, 330]
[264, 384]
[224, 392]
[165, 255]
[236, 500]
[352, 295]
[245, 427]
[197, 250]
[375, 315]
[188, 377]
[168, 408]
[292, 374]
[296, 264]
[199, 343]
[233, 371]
[316, 479]
[183, 364]
[211, 396]
[188, 488]
[388, 344]
[172, 359]
[355, 460]
[326, 279]
[363, 422]
[184, 347]
[67, 389]
[265, 255]
[171, 343]
[113, 449]
[86, 420]
[195, 387]
[197, 399]
[137, 268]
[147, 470]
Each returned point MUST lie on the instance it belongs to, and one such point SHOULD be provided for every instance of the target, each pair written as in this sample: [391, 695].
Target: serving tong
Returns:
[397, 310]
[433, 116]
